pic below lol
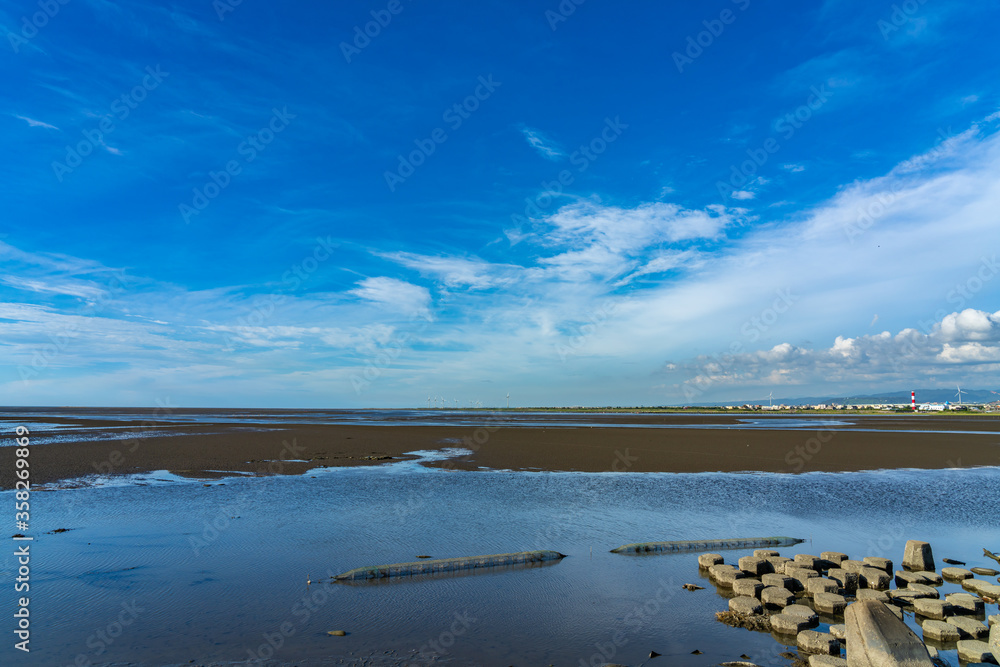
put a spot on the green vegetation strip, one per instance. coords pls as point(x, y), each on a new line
point(705, 545)
point(447, 565)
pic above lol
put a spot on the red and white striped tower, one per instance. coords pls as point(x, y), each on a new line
point(913, 400)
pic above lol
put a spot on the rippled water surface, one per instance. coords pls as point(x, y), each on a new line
point(208, 572)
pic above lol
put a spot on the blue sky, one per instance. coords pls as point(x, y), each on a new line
point(369, 203)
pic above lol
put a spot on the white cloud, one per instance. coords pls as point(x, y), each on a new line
point(794, 168)
point(545, 146)
point(742, 194)
point(36, 123)
point(457, 271)
point(394, 295)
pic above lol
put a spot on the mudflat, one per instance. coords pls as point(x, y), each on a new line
point(75, 442)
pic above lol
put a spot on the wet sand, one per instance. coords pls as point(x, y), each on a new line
point(504, 441)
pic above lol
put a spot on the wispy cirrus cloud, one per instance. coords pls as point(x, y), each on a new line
point(36, 123)
point(545, 146)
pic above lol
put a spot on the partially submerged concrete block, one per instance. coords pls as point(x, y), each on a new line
point(880, 563)
point(834, 557)
point(820, 660)
point(708, 560)
point(940, 631)
point(935, 609)
point(748, 587)
point(868, 594)
point(969, 628)
point(847, 580)
point(973, 650)
point(745, 605)
point(447, 565)
point(928, 591)
point(779, 580)
point(821, 585)
point(995, 640)
point(755, 566)
point(681, 546)
point(774, 596)
point(877, 638)
point(917, 555)
point(965, 603)
point(956, 573)
point(812, 641)
point(806, 561)
point(931, 578)
point(874, 578)
point(983, 588)
point(787, 624)
point(765, 553)
point(853, 565)
point(725, 575)
point(800, 574)
point(803, 612)
point(830, 603)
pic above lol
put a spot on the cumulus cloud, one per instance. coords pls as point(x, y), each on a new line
point(960, 345)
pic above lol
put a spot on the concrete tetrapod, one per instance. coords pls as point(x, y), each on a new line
point(447, 565)
point(681, 546)
point(877, 638)
point(917, 555)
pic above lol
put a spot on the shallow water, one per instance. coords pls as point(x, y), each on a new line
point(210, 572)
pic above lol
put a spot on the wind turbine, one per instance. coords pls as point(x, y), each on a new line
point(769, 398)
point(959, 394)
point(508, 400)
point(428, 402)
